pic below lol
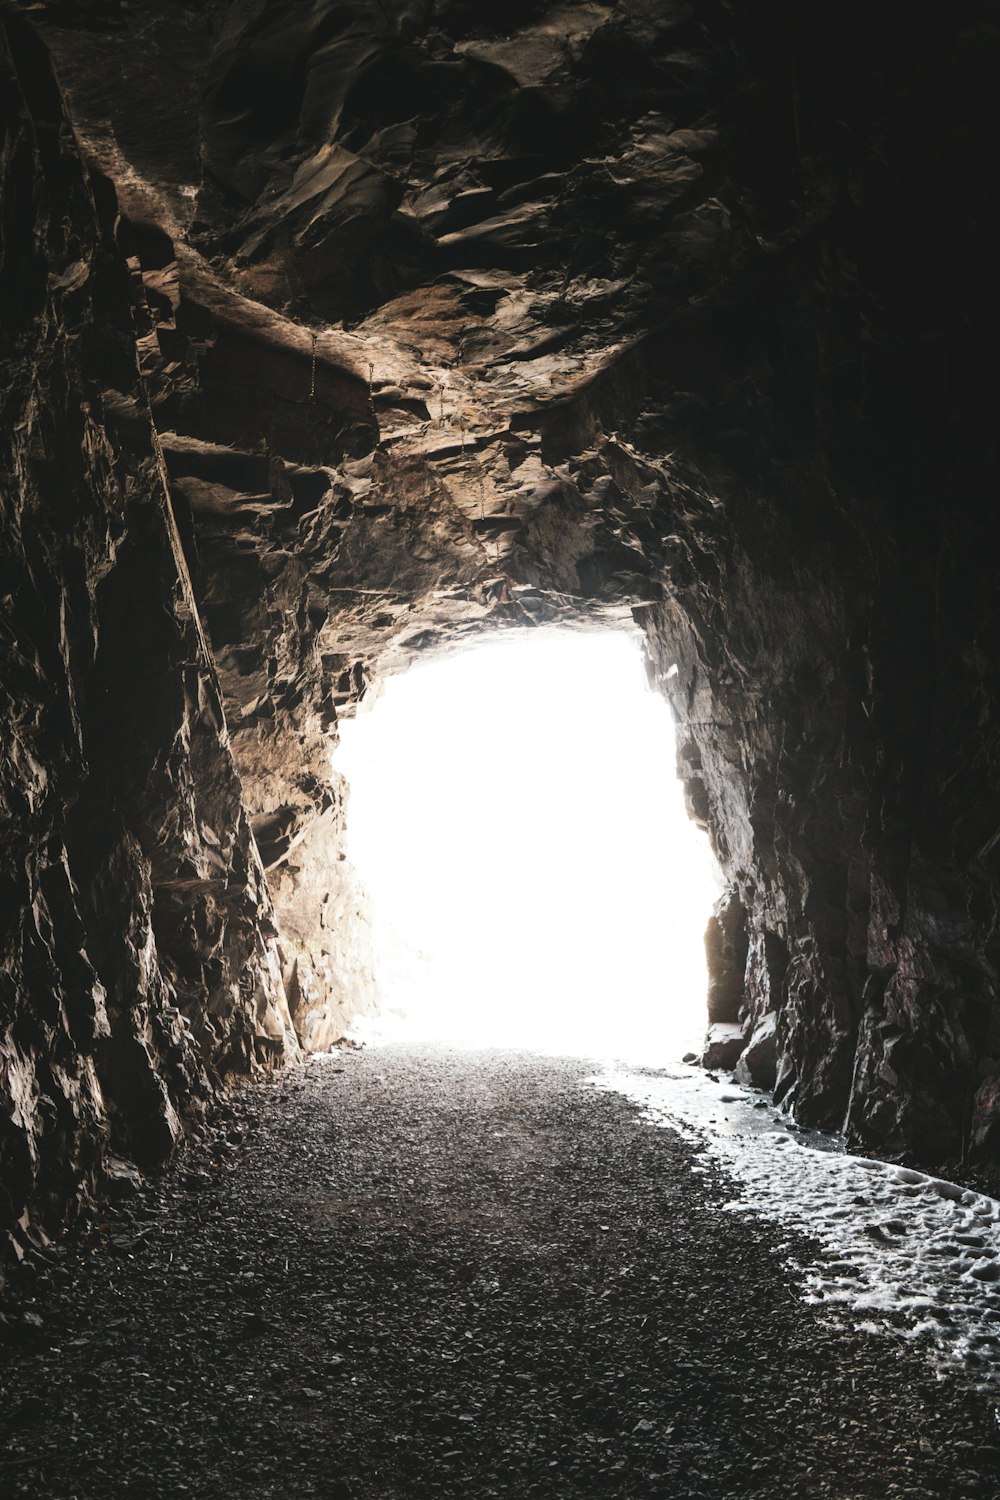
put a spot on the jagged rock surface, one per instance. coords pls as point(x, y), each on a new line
point(459, 318)
point(137, 955)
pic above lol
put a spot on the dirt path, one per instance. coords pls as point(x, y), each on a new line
point(416, 1275)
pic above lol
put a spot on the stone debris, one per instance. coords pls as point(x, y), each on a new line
point(461, 1275)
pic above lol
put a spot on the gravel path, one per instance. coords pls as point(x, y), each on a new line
point(415, 1274)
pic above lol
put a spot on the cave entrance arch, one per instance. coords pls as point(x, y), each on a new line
point(535, 880)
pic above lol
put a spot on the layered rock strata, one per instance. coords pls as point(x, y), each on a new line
point(138, 962)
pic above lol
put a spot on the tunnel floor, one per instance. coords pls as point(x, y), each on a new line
point(424, 1273)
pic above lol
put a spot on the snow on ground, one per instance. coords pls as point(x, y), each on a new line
point(901, 1252)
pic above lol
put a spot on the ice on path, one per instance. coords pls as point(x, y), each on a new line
point(900, 1253)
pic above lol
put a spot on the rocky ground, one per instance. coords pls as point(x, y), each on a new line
point(411, 1274)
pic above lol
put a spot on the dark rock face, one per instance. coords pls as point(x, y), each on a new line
point(458, 318)
point(136, 932)
point(835, 626)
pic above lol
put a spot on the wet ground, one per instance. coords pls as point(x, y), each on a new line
point(894, 1251)
point(414, 1274)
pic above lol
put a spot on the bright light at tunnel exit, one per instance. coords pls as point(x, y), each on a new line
point(516, 817)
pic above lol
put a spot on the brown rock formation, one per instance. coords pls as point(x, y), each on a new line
point(137, 934)
point(458, 318)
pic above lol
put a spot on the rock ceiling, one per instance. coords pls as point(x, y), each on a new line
point(392, 263)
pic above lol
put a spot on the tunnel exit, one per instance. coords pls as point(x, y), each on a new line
point(535, 879)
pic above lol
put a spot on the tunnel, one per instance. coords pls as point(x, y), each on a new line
point(340, 340)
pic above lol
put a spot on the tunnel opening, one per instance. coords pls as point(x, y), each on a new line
point(535, 878)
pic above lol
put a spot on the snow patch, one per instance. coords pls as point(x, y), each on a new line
point(901, 1253)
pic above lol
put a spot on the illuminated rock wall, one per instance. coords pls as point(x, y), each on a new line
point(137, 955)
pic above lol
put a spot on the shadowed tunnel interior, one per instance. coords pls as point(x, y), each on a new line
point(339, 337)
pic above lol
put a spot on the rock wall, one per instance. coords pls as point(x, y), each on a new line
point(137, 956)
point(832, 612)
point(459, 318)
